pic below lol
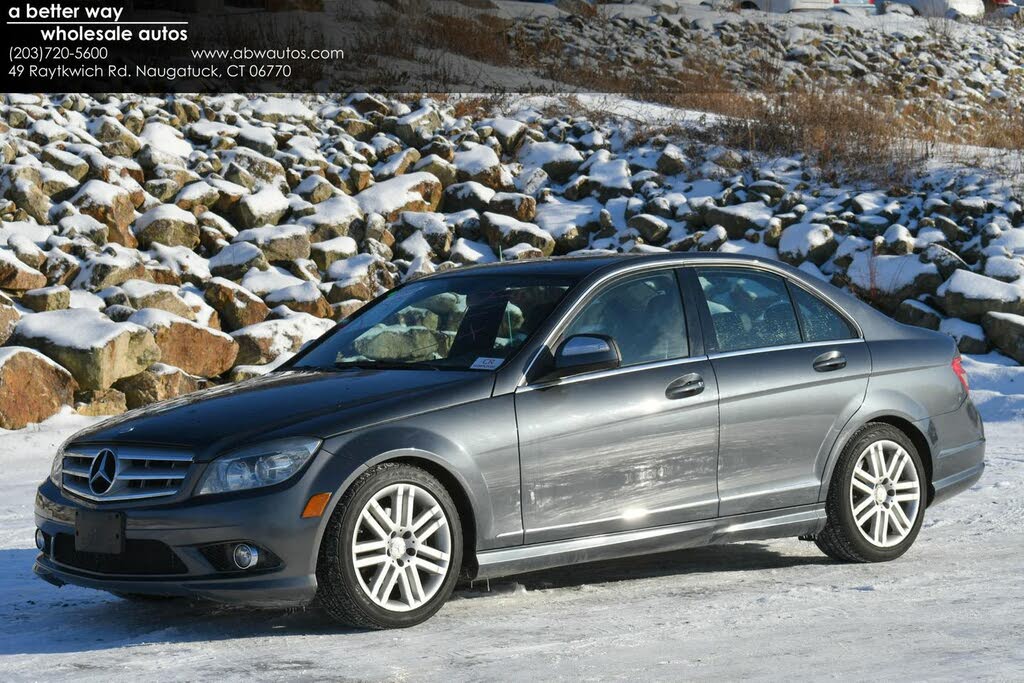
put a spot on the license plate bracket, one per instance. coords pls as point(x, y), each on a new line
point(99, 532)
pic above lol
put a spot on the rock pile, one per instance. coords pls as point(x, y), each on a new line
point(158, 245)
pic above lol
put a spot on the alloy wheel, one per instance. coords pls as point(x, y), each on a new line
point(401, 547)
point(885, 493)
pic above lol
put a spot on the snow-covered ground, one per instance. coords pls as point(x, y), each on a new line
point(948, 610)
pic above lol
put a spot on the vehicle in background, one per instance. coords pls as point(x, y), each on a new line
point(949, 9)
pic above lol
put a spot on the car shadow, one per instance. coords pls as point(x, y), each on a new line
point(37, 618)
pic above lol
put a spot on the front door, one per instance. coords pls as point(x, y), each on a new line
point(628, 448)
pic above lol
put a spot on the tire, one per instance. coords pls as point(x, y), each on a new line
point(408, 593)
point(890, 517)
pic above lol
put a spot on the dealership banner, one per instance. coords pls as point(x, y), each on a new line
point(287, 46)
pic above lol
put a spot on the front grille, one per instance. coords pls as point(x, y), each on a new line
point(140, 556)
point(136, 473)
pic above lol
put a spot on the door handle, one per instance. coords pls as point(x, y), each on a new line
point(827, 362)
point(687, 385)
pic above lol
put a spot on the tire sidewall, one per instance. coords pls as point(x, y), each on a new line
point(383, 478)
point(846, 520)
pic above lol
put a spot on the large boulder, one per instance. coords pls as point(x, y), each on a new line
point(32, 387)
point(142, 294)
point(9, 317)
point(167, 224)
point(16, 276)
point(303, 298)
point(278, 242)
point(236, 306)
point(970, 296)
point(338, 216)
point(110, 205)
point(235, 260)
point(504, 232)
point(558, 160)
point(410, 192)
point(196, 349)
point(265, 207)
point(96, 350)
point(812, 242)
point(264, 342)
point(361, 277)
point(888, 280)
point(159, 382)
point(738, 218)
point(1006, 332)
point(479, 163)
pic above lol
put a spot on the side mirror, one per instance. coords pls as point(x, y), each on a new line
point(586, 353)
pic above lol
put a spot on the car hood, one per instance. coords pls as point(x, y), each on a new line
point(289, 403)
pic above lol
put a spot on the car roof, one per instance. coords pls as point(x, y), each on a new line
point(579, 267)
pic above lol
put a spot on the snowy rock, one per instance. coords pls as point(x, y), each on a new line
point(196, 349)
point(360, 277)
point(739, 218)
point(9, 317)
point(236, 306)
point(503, 232)
point(32, 387)
point(422, 234)
point(279, 243)
point(653, 229)
point(235, 260)
point(812, 242)
point(410, 192)
point(913, 312)
point(110, 267)
point(264, 342)
point(970, 296)
point(480, 164)
point(169, 225)
point(159, 382)
point(327, 252)
point(1006, 331)
point(16, 276)
point(558, 160)
point(302, 298)
point(970, 338)
point(142, 294)
point(468, 196)
point(53, 298)
point(888, 280)
point(265, 207)
point(338, 216)
point(110, 205)
point(94, 349)
point(100, 402)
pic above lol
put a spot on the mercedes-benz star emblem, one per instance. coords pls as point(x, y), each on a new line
point(103, 471)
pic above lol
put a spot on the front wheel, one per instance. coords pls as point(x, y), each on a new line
point(392, 550)
point(876, 499)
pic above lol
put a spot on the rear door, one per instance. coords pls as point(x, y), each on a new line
point(791, 371)
point(628, 448)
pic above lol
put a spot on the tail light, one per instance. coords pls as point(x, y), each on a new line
point(961, 374)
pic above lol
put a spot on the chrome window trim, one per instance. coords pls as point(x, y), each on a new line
point(601, 374)
point(783, 347)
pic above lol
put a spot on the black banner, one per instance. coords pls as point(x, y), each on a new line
point(291, 46)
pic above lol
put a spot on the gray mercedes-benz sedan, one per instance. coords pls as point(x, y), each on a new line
point(493, 420)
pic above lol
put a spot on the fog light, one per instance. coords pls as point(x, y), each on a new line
point(245, 556)
point(41, 540)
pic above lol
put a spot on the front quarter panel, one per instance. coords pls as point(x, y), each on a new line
point(475, 443)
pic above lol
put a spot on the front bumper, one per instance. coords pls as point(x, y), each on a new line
point(164, 547)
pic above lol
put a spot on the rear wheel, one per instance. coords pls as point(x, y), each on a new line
point(876, 499)
point(392, 549)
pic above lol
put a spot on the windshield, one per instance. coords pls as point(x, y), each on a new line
point(463, 323)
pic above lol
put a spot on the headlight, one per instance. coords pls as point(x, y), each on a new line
point(256, 466)
point(57, 468)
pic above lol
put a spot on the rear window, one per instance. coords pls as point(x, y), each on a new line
point(749, 309)
point(820, 321)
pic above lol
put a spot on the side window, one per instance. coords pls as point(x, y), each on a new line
point(749, 309)
point(820, 321)
point(643, 314)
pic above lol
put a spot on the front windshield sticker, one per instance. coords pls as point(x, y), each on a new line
point(485, 363)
